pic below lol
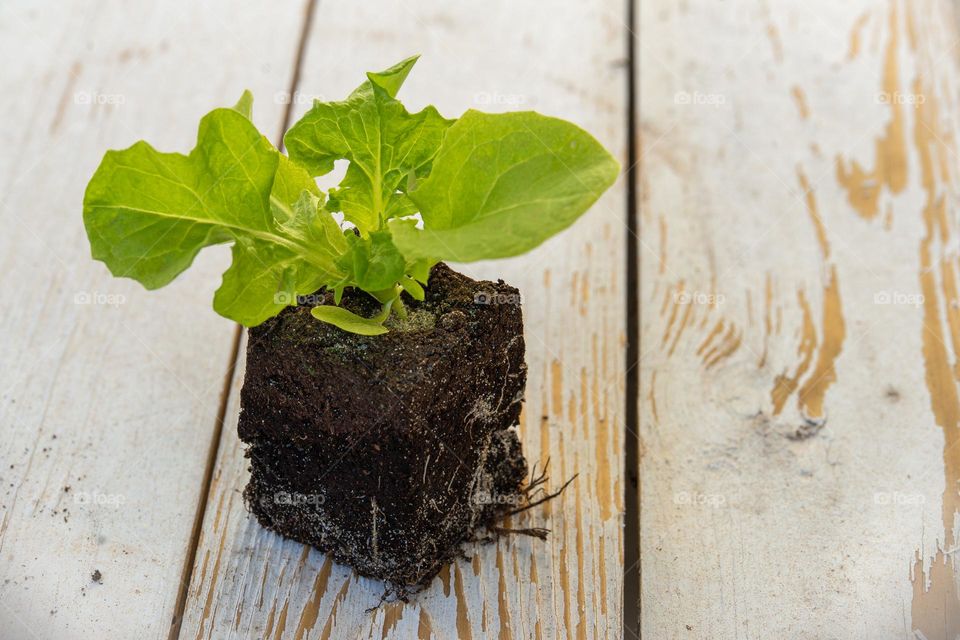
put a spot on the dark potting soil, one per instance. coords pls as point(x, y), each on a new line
point(388, 451)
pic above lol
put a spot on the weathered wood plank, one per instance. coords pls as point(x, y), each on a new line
point(568, 60)
point(798, 390)
point(108, 394)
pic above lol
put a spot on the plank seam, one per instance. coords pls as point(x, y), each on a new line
point(631, 531)
point(187, 572)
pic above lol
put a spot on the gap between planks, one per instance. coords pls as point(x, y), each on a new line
point(631, 438)
point(186, 574)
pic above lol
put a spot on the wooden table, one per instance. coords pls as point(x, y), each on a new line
point(747, 349)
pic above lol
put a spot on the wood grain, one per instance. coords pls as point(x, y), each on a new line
point(569, 61)
point(798, 388)
point(108, 394)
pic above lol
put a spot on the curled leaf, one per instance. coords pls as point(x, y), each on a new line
point(382, 140)
point(351, 322)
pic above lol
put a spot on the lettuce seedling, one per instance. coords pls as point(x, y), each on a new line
point(418, 189)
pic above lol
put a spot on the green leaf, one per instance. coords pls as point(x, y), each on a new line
point(390, 80)
point(485, 186)
point(382, 140)
point(313, 224)
point(349, 321)
point(289, 182)
point(372, 263)
point(264, 278)
point(419, 270)
point(148, 214)
point(244, 105)
point(412, 287)
point(501, 184)
point(400, 206)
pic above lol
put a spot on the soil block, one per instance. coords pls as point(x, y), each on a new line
point(388, 451)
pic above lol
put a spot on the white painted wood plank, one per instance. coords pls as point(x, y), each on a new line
point(568, 60)
point(108, 410)
point(798, 391)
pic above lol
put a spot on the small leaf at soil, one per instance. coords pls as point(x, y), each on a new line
point(348, 321)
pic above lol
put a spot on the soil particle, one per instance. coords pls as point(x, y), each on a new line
point(453, 320)
point(390, 451)
point(806, 431)
point(96, 576)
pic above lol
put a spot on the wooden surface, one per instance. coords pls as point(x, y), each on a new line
point(799, 310)
point(799, 329)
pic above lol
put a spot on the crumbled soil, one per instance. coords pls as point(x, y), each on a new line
point(389, 451)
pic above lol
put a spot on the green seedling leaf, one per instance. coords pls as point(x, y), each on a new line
point(419, 270)
point(148, 214)
point(381, 139)
point(372, 263)
point(501, 184)
point(289, 182)
point(413, 287)
point(349, 321)
point(390, 80)
point(244, 105)
point(418, 188)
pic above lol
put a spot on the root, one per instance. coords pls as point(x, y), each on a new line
point(536, 482)
point(533, 532)
point(532, 495)
point(395, 592)
point(384, 597)
point(535, 485)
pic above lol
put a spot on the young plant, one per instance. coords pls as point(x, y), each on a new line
point(418, 189)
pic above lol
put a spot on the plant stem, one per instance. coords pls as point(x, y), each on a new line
point(399, 307)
